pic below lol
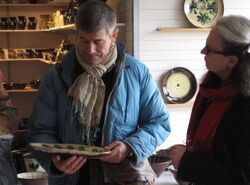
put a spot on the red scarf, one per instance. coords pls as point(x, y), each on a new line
point(205, 119)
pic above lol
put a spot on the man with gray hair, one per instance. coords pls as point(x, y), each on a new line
point(99, 96)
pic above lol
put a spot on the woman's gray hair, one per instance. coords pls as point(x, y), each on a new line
point(95, 15)
point(235, 31)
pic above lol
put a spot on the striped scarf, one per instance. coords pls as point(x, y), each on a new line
point(88, 92)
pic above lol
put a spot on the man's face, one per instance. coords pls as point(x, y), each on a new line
point(93, 47)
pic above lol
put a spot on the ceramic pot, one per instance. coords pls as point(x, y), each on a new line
point(44, 21)
point(12, 23)
point(21, 22)
point(31, 53)
point(4, 23)
point(33, 178)
point(68, 19)
point(18, 160)
point(32, 23)
point(32, 1)
point(35, 83)
point(31, 164)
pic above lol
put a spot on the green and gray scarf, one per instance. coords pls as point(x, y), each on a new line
point(87, 94)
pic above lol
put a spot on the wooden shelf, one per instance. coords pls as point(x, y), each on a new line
point(33, 5)
point(28, 60)
point(187, 104)
point(69, 27)
point(171, 29)
point(49, 3)
point(22, 91)
point(21, 31)
point(66, 29)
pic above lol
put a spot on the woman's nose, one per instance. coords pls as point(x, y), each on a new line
point(203, 51)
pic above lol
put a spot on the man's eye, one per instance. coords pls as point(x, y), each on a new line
point(99, 42)
point(84, 41)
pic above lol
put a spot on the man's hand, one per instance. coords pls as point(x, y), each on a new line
point(69, 165)
point(119, 151)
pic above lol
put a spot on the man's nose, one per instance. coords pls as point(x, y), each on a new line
point(91, 48)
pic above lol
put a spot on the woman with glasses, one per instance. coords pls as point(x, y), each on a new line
point(217, 151)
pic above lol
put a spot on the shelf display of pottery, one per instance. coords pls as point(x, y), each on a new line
point(19, 23)
point(47, 55)
point(33, 38)
point(32, 84)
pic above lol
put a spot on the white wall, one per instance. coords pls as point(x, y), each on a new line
point(161, 51)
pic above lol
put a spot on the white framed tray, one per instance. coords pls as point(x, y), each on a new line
point(203, 13)
point(70, 149)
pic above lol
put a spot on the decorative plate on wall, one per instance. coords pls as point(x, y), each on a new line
point(203, 13)
point(179, 85)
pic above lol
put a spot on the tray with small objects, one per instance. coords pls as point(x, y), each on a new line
point(70, 149)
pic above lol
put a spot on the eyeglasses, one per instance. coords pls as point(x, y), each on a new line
point(208, 51)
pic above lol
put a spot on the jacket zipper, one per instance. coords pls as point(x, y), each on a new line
point(111, 92)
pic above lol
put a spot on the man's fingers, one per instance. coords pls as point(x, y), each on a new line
point(70, 165)
point(75, 165)
point(112, 145)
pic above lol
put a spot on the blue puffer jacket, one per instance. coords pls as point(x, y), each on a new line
point(135, 112)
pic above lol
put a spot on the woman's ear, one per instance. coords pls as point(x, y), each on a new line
point(233, 61)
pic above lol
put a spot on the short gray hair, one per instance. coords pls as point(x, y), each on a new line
point(95, 15)
point(235, 32)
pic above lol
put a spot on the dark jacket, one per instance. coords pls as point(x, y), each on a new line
point(229, 162)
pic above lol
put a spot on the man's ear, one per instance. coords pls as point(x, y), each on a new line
point(233, 61)
point(114, 35)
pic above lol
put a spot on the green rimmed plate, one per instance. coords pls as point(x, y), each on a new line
point(203, 13)
point(70, 149)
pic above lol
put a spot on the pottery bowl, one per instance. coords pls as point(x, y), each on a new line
point(20, 85)
point(159, 164)
point(8, 86)
point(31, 178)
point(35, 83)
